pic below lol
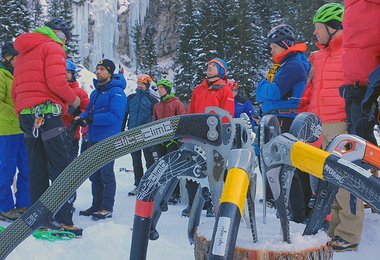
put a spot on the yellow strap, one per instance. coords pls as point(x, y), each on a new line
point(309, 159)
point(272, 72)
point(236, 188)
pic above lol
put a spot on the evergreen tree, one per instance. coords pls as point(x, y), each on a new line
point(55, 8)
point(149, 55)
point(15, 19)
point(190, 68)
point(36, 14)
point(137, 42)
point(72, 43)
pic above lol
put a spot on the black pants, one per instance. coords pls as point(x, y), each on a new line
point(137, 163)
point(48, 155)
point(300, 191)
point(358, 123)
point(161, 151)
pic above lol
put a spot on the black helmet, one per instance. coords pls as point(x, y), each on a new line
point(281, 32)
point(59, 24)
point(8, 48)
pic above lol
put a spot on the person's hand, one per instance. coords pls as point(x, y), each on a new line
point(84, 121)
point(76, 103)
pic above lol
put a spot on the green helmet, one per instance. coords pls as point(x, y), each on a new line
point(168, 85)
point(329, 12)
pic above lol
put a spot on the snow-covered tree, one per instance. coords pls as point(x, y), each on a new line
point(36, 14)
point(149, 55)
point(14, 20)
point(137, 42)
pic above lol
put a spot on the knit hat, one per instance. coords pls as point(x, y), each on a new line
point(166, 84)
point(222, 67)
point(108, 64)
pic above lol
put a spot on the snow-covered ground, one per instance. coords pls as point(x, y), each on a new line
point(111, 239)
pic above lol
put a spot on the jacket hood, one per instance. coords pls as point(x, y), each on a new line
point(117, 81)
point(28, 41)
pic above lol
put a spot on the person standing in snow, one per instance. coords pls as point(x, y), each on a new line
point(41, 94)
point(280, 94)
point(321, 95)
point(139, 111)
point(104, 116)
point(72, 113)
point(12, 146)
point(168, 106)
point(361, 55)
point(216, 91)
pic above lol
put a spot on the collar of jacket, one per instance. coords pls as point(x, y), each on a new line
point(167, 97)
point(334, 44)
point(217, 84)
point(47, 31)
point(10, 70)
point(301, 47)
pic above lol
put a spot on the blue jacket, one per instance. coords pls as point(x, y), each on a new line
point(139, 108)
point(244, 106)
point(106, 108)
point(288, 85)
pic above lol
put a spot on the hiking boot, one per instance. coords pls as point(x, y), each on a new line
point(10, 215)
point(87, 212)
point(102, 214)
point(22, 210)
point(186, 212)
point(164, 206)
point(210, 212)
point(133, 192)
point(174, 199)
point(338, 244)
point(77, 231)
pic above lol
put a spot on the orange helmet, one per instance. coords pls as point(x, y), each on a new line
point(234, 85)
point(146, 79)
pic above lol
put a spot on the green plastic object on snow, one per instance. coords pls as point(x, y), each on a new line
point(53, 236)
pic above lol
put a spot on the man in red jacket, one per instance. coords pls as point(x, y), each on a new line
point(72, 128)
point(216, 91)
point(41, 94)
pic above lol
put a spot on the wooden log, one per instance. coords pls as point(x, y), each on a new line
point(322, 252)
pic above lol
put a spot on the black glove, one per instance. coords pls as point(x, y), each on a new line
point(84, 121)
point(74, 111)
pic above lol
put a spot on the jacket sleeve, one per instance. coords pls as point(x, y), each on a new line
point(286, 78)
point(180, 109)
point(84, 100)
point(191, 109)
point(6, 111)
point(305, 100)
point(116, 111)
point(55, 72)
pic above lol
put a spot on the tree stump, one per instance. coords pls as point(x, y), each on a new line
point(269, 246)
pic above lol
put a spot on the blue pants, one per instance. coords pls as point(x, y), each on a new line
point(103, 186)
point(12, 156)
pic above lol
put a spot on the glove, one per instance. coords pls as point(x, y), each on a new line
point(84, 121)
point(74, 111)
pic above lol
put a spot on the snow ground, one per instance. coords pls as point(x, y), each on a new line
point(111, 239)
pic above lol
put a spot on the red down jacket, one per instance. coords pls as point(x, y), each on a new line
point(40, 73)
point(361, 39)
point(171, 107)
point(321, 95)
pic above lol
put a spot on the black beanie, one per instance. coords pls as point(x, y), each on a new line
point(108, 64)
point(334, 24)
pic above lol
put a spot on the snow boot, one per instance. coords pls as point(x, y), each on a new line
point(174, 199)
point(338, 244)
point(77, 231)
point(10, 215)
point(186, 212)
point(87, 212)
point(102, 214)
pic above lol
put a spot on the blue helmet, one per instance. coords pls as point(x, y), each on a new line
point(70, 66)
point(222, 66)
